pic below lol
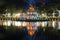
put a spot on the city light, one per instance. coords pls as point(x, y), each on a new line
point(29, 27)
point(32, 8)
point(17, 15)
point(31, 33)
point(43, 24)
point(37, 23)
point(24, 24)
point(58, 24)
point(7, 23)
point(53, 23)
point(16, 23)
point(9, 14)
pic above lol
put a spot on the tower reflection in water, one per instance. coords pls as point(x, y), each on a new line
point(31, 25)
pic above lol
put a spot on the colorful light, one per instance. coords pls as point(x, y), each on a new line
point(31, 32)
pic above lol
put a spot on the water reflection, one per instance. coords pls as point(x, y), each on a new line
point(59, 25)
point(54, 24)
point(16, 23)
point(7, 23)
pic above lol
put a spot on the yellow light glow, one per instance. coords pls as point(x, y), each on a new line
point(53, 23)
point(38, 24)
point(17, 23)
point(29, 27)
point(24, 24)
point(7, 23)
point(43, 24)
point(31, 33)
point(17, 15)
point(31, 8)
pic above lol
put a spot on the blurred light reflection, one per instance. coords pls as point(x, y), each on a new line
point(7, 23)
point(34, 25)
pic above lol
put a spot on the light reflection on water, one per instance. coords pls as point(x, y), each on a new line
point(33, 24)
point(59, 25)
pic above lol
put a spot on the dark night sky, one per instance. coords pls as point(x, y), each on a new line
point(23, 3)
point(8, 2)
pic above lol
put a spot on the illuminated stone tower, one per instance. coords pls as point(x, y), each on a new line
point(32, 8)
